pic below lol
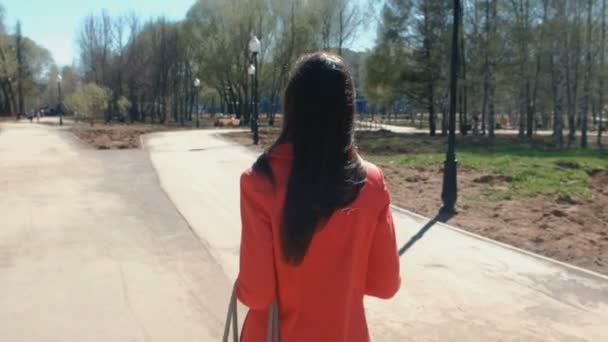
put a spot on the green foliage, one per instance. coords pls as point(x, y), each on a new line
point(123, 104)
point(90, 102)
point(381, 73)
point(410, 58)
point(531, 170)
point(36, 64)
point(208, 95)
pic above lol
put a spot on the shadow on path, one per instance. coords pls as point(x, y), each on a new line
point(440, 217)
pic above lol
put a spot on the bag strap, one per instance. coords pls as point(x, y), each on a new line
point(274, 327)
point(231, 318)
point(273, 331)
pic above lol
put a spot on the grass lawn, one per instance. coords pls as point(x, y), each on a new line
point(530, 169)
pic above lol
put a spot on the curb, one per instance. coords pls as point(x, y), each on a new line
point(577, 269)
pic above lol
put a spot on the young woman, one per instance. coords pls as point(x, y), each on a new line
point(318, 231)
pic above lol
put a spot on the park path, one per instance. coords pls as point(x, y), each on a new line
point(366, 125)
point(91, 249)
point(456, 286)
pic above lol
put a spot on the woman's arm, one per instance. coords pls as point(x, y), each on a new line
point(383, 278)
point(256, 282)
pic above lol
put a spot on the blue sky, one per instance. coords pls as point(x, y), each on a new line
point(53, 23)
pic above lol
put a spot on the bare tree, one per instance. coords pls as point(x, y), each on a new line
point(573, 43)
point(558, 62)
point(20, 68)
point(588, 67)
point(602, 76)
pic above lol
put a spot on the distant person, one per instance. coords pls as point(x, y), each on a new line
point(317, 232)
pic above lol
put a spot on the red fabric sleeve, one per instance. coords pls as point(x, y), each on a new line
point(256, 281)
point(383, 278)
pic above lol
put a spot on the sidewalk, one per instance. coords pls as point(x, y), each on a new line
point(456, 287)
point(366, 125)
point(92, 250)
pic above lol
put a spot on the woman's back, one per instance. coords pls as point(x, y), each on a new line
point(353, 254)
point(317, 233)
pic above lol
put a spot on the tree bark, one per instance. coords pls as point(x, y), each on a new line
point(531, 114)
point(20, 71)
point(491, 112)
point(463, 119)
point(557, 87)
point(587, 98)
point(574, 46)
point(602, 77)
point(430, 80)
point(488, 106)
point(431, 108)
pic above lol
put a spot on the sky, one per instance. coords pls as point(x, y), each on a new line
point(53, 23)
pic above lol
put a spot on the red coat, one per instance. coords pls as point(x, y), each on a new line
point(353, 255)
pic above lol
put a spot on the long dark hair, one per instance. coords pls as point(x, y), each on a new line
point(327, 174)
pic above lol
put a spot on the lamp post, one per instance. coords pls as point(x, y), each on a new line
point(255, 46)
point(251, 72)
point(449, 194)
point(59, 106)
point(197, 85)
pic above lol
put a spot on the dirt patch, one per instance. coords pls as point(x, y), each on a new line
point(105, 137)
point(126, 136)
point(267, 138)
point(492, 179)
point(563, 228)
point(573, 230)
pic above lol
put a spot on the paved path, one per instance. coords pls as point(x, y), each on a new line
point(457, 287)
point(92, 250)
point(366, 125)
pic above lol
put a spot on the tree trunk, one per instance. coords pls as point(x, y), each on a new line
point(529, 113)
point(602, 76)
point(484, 105)
point(427, 45)
point(20, 71)
point(570, 104)
point(557, 87)
point(341, 33)
point(525, 78)
point(574, 47)
point(463, 88)
point(11, 98)
point(587, 99)
point(488, 92)
point(491, 112)
point(524, 95)
point(532, 104)
point(444, 119)
point(460, 113)
point(431, 107)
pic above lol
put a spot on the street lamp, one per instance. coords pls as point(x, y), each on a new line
point(197, 85)
point(255, 46)
point(251, 72)
point(449, 194)
point(59, 106)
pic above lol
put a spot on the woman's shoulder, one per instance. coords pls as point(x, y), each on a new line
point(253, 179)
point(375, 176)
point(259, 177)
point(375, 179)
